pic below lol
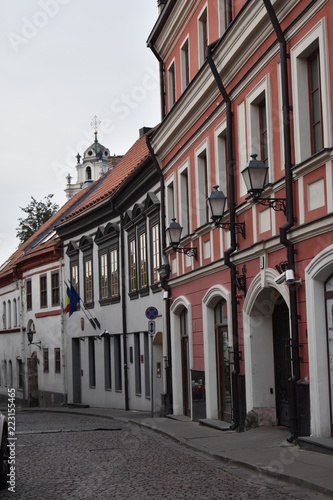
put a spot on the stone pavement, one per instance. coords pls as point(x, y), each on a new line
point(264, 449)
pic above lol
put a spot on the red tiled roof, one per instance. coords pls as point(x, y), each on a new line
point(28, 248)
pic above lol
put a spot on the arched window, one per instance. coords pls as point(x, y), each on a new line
point(88, 174)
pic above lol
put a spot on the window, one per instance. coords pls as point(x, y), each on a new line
point(155, 232)
point(184, 204)
point(137, 364)
point(171, 85)
point(18, 312)
point(221, 159)
point(143, 261)
point(10, 370)
point(20, 373)
point(43, 290)
point(311, 101)
point(14, 313)
point(185, 65)
point(57, 360)
point(114, 274)
point(55, 289)
point(75, 276)
point(88, 282)
point(45, 360)
point(107, 363)
point(315, 103)
point(107, 239)
point(259, 129)
point(170, 201)
point(5, 373)
point(29, 295)
point(203, 36)
point(9, 314)
point(92, 365)
point(202, 183)
point(88, 173)
point(4, 319)
point(104, 276)
point(132, 266)
point(263, 131)
point(117, 363)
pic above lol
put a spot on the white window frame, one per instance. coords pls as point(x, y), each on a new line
point(222, 17)
point(170, 203)
point(315, 38)
point(201, 55)
point(200, 203)
point(253, 126)
point(221, 169)
point(184, 218)
point(171, 100)
point(183, 63)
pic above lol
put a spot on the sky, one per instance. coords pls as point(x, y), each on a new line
point(62, 63)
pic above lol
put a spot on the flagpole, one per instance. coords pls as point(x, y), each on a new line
point(85, 310)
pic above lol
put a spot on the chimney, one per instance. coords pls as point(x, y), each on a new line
point(143, 131)
point(160, 5)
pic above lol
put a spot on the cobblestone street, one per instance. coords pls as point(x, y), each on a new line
point(72, 456)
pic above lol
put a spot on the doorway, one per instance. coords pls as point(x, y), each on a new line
point(76, 361)
point(185, 362)
point(222, 362)
point(282, 361)
point(329, 323)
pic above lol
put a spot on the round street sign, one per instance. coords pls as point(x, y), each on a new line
point(151, 313)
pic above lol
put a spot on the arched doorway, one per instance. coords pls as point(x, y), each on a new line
point(282, 361)
point(267, 349)
point(222, 361)
point(329, 316)
point(185, 362)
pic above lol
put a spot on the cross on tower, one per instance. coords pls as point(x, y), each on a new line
point(95, 122)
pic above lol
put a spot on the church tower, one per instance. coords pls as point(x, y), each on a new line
point(95, 162)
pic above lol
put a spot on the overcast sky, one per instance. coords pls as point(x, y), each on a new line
point(62, 62)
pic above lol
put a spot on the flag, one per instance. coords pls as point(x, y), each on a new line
point(74, 300)
point(67, 299)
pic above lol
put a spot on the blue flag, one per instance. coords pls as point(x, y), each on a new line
point(74, 299)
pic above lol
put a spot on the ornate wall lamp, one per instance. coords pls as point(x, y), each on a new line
point(30, 335)
point(216, 202)
point(254, 175)
point(174, 232)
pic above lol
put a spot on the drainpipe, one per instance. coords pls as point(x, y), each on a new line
point(162, 90)
point(164, 280)
point(236, 394)
point(290, 219)
point(123, 307)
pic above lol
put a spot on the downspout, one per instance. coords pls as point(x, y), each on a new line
point(123, 307)
point(233, 246)
point(290, 216)
point(162, 91)
point(164, 278)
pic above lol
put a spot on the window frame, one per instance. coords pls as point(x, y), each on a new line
point(28, 285)
point(46, 361)
point(43, 291)
point(57, 360)
point(55, 289)
point(185, 63)
point(203, 35)
point(171, 73)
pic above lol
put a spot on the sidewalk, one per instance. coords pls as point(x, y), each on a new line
point(264, 449)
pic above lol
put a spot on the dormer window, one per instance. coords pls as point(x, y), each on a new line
point(90, 153)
